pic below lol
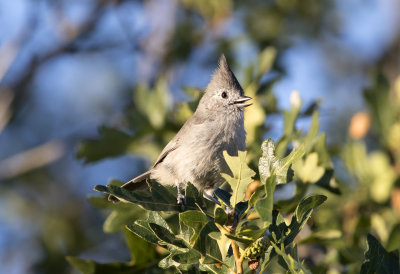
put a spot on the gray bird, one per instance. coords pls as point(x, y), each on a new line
point(195, 153)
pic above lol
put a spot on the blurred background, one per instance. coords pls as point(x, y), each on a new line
point(77, 77)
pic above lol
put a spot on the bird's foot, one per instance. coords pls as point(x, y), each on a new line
point(228, 210)
point(181, 200)
point(209, 195)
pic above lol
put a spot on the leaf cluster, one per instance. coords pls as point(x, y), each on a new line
point(215, 237)
point(226, 237)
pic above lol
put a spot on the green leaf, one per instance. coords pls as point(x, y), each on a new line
point(111, 143)
point(265, 60)
point(270, 164)
point(308, 170)
point(142, 252)
point(371, 169)
point(176, 255)
point(147, 101)
point(393, 242)
point(278, 226)
point(215, 235)
point(167, 262)
point(156, 198)
point(166, 236)
point(381, 105)
point(281, 148)
point(378, 260)
point(118, 219)
point(265, 205)
point(256, 112)
point(328, 182)
point(190, 257)
point(195, 221)
point(382, 174)
point(252, 231)
point(266, 259)
point(241, 175)
point(195, 198)
point(287, 234)
point(256, 195)
point(288, 206)
point(312, 133)
point(323, 154)
point(85, 266)
point(221, 269)
point(91, 267)
point(290, 116)
point(123, 214)
point(142, 229)
point(207, 246)
point(220, 216)
point(240, 239)
point(323, 236)
point(308, 204)
point(156, 218)
point(101, 202)
point(293, 265)
point(294, 228)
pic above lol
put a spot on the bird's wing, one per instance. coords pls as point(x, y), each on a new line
point(195, 120)
point(170, 147)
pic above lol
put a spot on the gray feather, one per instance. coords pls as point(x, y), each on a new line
point(195, 153)
point(172, 145)
point(134, 184)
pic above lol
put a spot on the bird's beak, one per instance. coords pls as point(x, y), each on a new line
point(241, 102)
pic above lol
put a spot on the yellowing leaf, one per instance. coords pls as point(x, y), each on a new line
point(153, 103)
point(383, 176)
point(183, 113)
point(373, 170)
point(308, 170)
point(241, 175)
point(210, 8)
point(254, 115)
point(265, 60)
point(393, 137)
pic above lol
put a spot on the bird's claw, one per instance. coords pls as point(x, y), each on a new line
point(228, 210)
point(211, 197)
point(181, 200)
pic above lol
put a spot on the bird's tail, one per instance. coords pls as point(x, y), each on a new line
point(134, 184)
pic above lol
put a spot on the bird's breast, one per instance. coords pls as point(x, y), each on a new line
point(199, 157)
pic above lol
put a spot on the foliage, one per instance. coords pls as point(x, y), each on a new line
point(197, 236)
point(258, 230)
point(378, 260)
point(251, 228)
point(359, 174)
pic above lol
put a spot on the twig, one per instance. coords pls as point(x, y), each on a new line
point(31, 159)
point(238, 260)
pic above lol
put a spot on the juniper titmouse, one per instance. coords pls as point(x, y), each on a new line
point(195, 153)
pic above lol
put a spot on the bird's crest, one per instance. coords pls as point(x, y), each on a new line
point(223, 75)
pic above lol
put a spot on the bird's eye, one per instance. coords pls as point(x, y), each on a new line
point(224, 95)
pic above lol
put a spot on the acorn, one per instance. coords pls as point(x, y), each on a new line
point(257, 249)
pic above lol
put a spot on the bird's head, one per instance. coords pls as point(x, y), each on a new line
point(224, 93)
